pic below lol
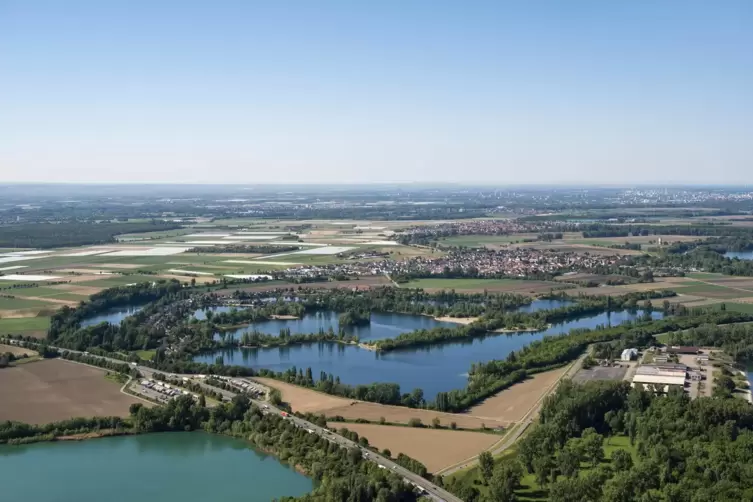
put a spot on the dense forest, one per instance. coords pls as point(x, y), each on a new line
point(53, 235)
point(735, 340)
point(682, 450)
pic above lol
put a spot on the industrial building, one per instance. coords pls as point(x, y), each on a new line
point(663, 376)
point(683, 350)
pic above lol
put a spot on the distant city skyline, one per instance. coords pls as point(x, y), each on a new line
point(472, 93)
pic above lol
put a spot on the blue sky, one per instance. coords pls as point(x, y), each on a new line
point(391, 91)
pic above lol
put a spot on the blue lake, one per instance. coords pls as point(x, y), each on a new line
point(434, 368)
point(113, 316)
point(741, 255)
point(185, 466)
point(383, 325)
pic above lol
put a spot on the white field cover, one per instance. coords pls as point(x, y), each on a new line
point(252, 237)
point(189, 272)
point(325, 250)
point(149, 251)
point(26, 253)
point(90, 252)
point(207, 235)
point(262, 262)
point(249, 276)
point(211, 242)
point(381, 243)
point(31, 278)
point(9, 259)
point(251, 232)
point(15, 267)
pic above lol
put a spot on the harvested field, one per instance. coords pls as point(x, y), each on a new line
point(435, 448)
point(307, 400)
point(512, 404)
point(363, 283)
point(16, 351)
point(519, 286)
point(80, 290)
point(53, 390)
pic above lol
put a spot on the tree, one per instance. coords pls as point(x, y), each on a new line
point(542, 468)
point(134, 408)
point(453, 425)
point(568, 462)
point(275, 397)
point(435, 422)
point(593, 445)
point(382, 421)
point(202, 401)
point(415, 422)
point(486, 466)
point(622, 461)
point(505, 480)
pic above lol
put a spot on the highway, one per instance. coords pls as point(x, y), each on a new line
point(430, 489)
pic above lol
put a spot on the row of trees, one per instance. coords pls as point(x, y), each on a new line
point(520, 321)
point(69, 234)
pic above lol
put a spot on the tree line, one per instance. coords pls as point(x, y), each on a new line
point(69, 234)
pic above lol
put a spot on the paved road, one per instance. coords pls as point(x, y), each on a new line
point(430, 489)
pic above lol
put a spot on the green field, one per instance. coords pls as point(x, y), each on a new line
point(110, 281)
point(48, 292)
point(19, 303)
point(25, 326)
point(745, 308)
point(711, 291)
point(498, 285)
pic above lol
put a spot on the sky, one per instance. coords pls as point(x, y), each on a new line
point(497, 92)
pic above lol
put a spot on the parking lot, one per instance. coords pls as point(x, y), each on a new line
point(601, 373)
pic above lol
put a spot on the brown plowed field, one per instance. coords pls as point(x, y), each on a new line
point(512, 404)
point(307, 400)
point(16, 351)
point(53, 390)
point(435, 448)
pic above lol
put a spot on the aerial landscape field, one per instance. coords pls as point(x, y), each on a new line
point(376, 251)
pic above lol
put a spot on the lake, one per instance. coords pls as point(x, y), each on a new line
point(113, 316)
point(185, 466)
point(383, 325)
point(742, 255)
point(434, 368)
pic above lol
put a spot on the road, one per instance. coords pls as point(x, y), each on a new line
point(430, 489)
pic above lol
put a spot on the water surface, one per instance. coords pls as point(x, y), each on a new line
point(434, 368)
point(742, 255)
point(113, 315)
point(182, 466)
point(383, 325)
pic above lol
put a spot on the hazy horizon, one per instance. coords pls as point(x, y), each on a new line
point(333, 92)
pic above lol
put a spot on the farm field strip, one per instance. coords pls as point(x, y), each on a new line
point(53, 389)
point(435, 448)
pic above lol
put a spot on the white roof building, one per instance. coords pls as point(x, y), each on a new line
point(629, 354)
